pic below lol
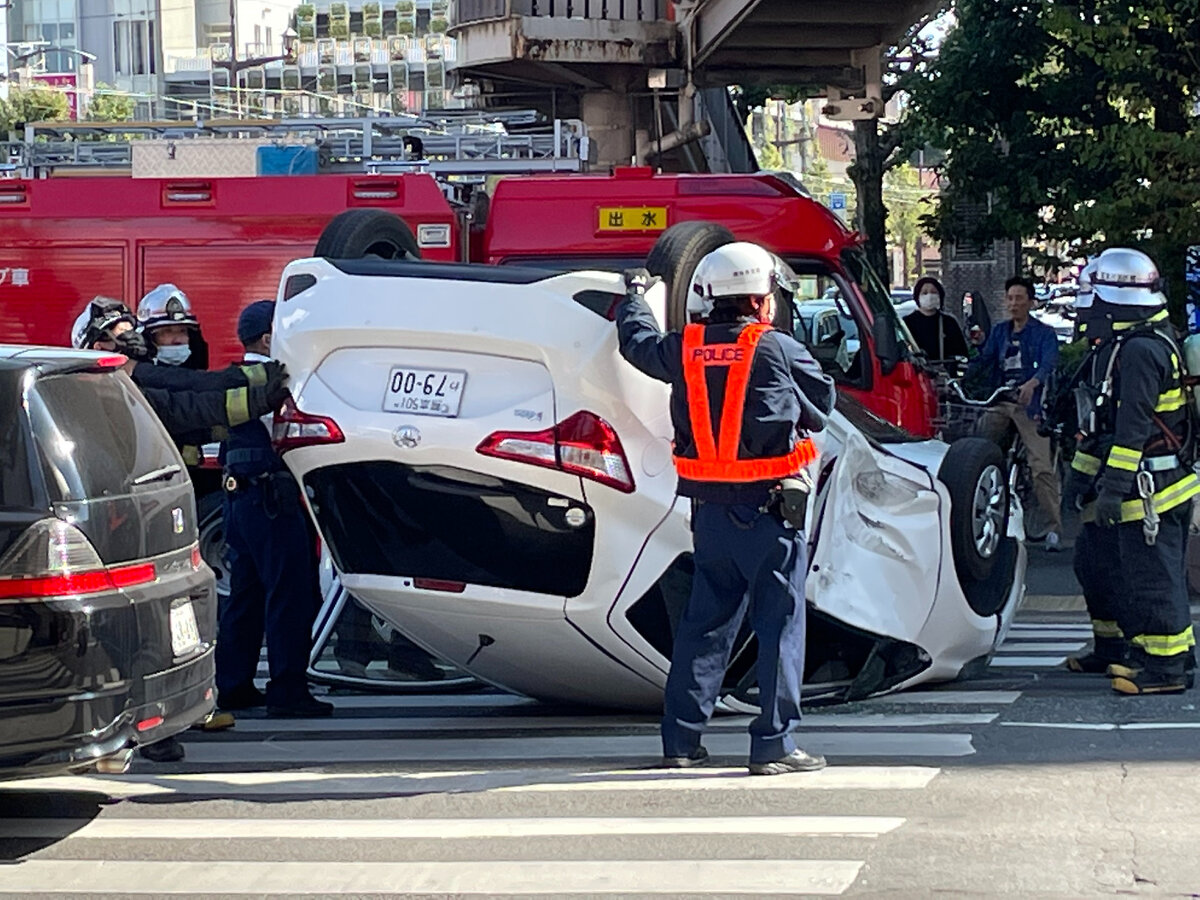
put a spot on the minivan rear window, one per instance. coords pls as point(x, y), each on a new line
point(96, 436)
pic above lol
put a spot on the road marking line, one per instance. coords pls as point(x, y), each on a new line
point(948, 697)
point(1075, 627)
point(1032, 646)
point(425, 701)
point(772, 877)
point(543, 780)
point(1109, 726)
point(1036, 662)
point(334, 726)
point(110, 828)
point(1056, 634)
point(526, 749)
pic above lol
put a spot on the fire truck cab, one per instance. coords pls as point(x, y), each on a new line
point(840, 309)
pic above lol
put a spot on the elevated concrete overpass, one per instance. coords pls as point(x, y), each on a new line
point(597, 54)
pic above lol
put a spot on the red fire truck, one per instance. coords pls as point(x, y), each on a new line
point(224, 241)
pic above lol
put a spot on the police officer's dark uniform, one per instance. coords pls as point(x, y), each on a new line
point(1137, 445)
point(743, 399)
point(274, 582)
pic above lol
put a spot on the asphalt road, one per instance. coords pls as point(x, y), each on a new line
point(1027, 781)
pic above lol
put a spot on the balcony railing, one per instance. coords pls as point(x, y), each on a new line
point(464, 12)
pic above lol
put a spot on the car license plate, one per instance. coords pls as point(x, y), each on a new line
point(185, 634)
point(425, 392)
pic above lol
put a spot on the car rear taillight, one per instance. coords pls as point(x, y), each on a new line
point(294, 428)
point(582, 444)
point(55, 559)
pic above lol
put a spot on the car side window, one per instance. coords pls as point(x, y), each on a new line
point(95, 436)
point(823, 321)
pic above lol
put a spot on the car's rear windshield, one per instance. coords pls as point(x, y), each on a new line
point(97, 437)
point(16, 489)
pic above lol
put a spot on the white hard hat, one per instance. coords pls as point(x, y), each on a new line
point(1125, 277)
point(1083, 296)
point(166, 305)
point(740, 269)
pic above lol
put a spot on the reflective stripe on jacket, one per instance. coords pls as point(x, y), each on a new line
point(718, 459)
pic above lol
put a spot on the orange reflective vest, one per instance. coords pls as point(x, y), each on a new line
point(719, 461)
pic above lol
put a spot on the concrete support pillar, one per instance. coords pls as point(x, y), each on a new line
point(610, 127)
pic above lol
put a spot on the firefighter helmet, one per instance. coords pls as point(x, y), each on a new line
point(1129, 278)
point(166, 305)
point(101, 314)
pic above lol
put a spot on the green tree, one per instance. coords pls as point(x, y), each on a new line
point(1075, 121)
point(110, 105)
point(906, 201)
point(34, 104)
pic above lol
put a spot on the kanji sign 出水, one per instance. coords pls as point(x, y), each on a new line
point(632, 218)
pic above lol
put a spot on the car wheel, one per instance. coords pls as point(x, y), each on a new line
point(674, 257)
point(973, 472)
point(357, 233)
point(211, 525)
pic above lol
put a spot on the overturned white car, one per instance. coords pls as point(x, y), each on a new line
point(495, 481)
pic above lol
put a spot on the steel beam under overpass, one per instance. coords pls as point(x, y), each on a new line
point(796, 41)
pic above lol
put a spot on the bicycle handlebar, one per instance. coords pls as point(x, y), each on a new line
point(1003, 393)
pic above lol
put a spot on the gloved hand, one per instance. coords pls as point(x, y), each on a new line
point(1076, 489)
point(266, 398)
point(637, 280)
point(132, 343)
point(1108, 508)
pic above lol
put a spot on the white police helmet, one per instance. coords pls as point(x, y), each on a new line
point(1125, 277)
point(740, 269)
point(166, 305)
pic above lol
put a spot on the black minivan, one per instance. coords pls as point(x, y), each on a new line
point(107, 611)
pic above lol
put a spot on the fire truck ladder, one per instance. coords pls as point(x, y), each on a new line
point(449, 144)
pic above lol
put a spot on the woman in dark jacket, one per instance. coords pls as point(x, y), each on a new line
point(937, 333)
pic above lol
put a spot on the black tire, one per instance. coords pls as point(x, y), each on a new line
point(674, 257)
point(358, 233)
point(973, 472)
point(210, 516)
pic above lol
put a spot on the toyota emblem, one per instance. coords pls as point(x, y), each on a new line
point(406, 436)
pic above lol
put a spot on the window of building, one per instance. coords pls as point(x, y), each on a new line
point(270, 44)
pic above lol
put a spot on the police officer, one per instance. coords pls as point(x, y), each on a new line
point(1137, 446)
point(274, 584)
point(191, 404)
point(743, 399)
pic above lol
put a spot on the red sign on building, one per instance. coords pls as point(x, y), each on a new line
point(67, 83)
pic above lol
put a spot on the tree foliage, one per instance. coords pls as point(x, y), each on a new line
point(1075, 120)
point(109, 105)
point(35, 104)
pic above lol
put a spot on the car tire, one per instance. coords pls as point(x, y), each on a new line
point(973, 472)
point(210, 522)
point(358, 233)
point(674, 258)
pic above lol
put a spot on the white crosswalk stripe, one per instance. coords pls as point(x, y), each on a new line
point(1038, 645)
point(505, 785)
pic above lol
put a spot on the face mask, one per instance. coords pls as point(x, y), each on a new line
point(929, 302)
point(173, 354)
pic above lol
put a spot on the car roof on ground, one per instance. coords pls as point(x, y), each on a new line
point(396, 268)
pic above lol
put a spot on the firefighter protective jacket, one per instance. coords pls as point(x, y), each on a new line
point(786, 395)
point(1146, 426)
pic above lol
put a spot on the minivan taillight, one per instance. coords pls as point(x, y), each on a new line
point(55, 559)
point(295, 428)
point(582, 444)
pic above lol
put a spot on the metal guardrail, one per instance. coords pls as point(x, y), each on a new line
point(464, 12)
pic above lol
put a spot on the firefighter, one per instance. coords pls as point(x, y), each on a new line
point(743, 399)
point(194, 404)
point(1137, 427)
point(1096, 551)
point(169, 324)
point(274, 583)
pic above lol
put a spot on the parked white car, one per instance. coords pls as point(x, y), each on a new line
point(495, 481)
